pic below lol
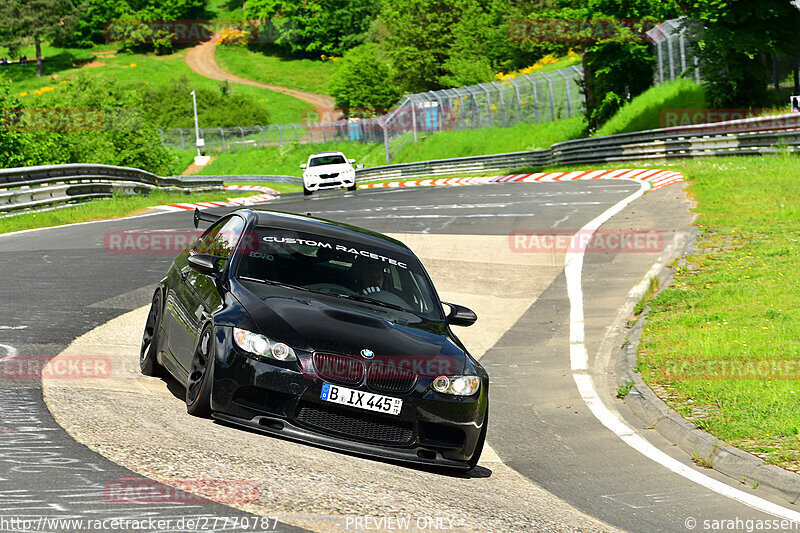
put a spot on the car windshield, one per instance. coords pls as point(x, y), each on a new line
point(339, 268)
point(335, 159)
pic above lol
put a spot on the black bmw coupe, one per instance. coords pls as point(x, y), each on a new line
point(321, 332)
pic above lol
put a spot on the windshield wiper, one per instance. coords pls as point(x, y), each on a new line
point(370, 301)
point(275, 283)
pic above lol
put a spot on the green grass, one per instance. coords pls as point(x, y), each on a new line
point(491, 140)
point(645, 111)
point(285, 160)
point(275, 69)
point(735, 300)
point(105, 208)
point(132, 68)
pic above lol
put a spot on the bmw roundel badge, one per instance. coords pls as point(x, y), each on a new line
point(367, 353)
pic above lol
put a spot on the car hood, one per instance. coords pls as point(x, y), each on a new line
point(321, 323)
point(328, 169)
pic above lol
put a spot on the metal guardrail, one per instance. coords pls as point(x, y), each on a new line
point(753, 136)
point(44, 186)
point(260, 178)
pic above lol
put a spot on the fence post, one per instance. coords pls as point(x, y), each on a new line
point(261, 131)
point(488, 102)
point(414, 119)
point(310, 133)
point(324, 135)
point(671, 59)
point(660, 56)
point(180, 130)
point(696, 69)
point(461, 106)
point(161, 133)
point(241, 131)
point(683, 54)
point(552, 98)
point(535, 100)
point(223, 138)
point(519, 103)
point(386, 141)
point(502, 104)
point(569, 99)
point(280, 135)
point(295, 130)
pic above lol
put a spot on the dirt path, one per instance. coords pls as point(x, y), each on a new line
point(201, 60)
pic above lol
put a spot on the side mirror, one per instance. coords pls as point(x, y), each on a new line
point(303, 166)
point(204, 264)
point(359, 166)
point(460, 315)
point(351, 161)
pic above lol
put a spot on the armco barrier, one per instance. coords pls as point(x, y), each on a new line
point(752, 136)
point(37, 187)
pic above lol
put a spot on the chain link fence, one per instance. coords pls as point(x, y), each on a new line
point(675, 53)
point(530, 98)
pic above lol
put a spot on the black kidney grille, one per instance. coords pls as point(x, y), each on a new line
point(352, 424)
point(339, 368)
point(329, 176)
point(389, 378)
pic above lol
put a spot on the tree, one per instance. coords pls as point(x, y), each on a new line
point(361, 84)
point(736, 38)
point(37, 20)
point(317, 26)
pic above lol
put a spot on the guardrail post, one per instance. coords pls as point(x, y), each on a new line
point(552, 98)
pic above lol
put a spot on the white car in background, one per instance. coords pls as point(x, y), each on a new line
point(328, 170)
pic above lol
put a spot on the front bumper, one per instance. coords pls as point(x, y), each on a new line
point(339, 182)
point(284, 399)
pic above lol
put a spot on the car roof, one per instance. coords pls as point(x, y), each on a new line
point(326, 228)
point(326, 153)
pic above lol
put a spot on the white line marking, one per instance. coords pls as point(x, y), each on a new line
point(573, 265)
point(13, 327)
point(11, 352)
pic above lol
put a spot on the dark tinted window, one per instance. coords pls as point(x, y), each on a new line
point(221, 239)
point(327, 160)
point(340, 268)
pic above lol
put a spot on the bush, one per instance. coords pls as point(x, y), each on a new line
point(361, 84)
point(220, 108)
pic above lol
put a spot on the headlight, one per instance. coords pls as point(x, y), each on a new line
point(457, 385)
point(260, 345)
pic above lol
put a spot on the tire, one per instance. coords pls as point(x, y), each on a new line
point(201, 376)
point(148, 352)
point(306, 192)
point(476, 455)
point(352, 188)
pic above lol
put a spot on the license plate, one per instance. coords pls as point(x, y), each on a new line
point(361, 399)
